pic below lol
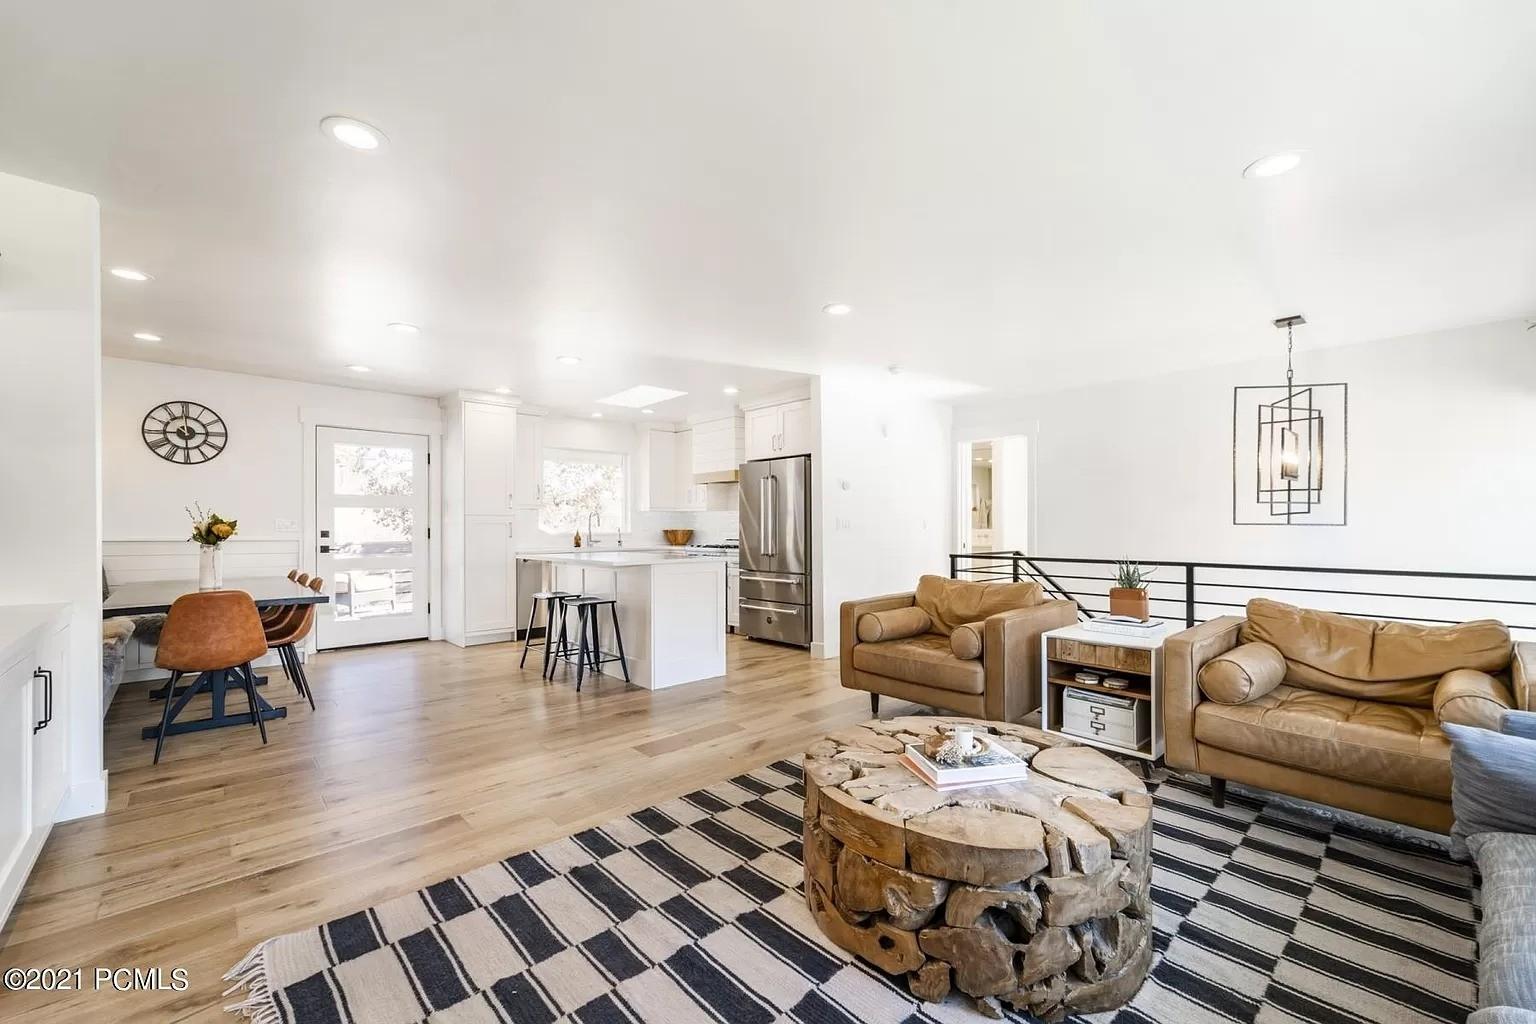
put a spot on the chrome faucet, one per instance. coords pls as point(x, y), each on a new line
point(591, 516)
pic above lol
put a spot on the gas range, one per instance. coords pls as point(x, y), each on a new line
point(729, 549)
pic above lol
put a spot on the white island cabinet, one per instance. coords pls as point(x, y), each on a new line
point(672, 609)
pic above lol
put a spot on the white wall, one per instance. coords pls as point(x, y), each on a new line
point(259, 477)
point(50, 472)
point(1442, 432)
point(884, 515)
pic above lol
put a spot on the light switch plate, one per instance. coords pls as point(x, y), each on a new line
point(287, 526)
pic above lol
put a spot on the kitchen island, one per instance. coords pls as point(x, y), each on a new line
point(671, 605)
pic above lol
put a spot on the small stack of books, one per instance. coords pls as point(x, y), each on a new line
point(1011, 769)
point(1125, 625)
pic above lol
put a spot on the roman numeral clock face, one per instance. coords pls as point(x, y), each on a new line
point(185, 433)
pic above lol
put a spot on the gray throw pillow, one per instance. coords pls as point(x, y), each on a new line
point(1493, 781)
point(1519, 723)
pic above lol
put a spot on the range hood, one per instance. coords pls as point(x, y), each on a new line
point(725, 476)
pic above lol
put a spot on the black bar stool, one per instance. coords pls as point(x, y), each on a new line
point(562, 649)
point(551, 599)
point(591, 653)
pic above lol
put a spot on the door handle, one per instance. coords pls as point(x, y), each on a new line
point(325, 549)
point(47, 677)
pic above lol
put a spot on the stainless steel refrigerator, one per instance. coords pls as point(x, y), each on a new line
point(775, 591)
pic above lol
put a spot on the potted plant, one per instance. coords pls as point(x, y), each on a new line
point(1128, 596)
point(209, 532)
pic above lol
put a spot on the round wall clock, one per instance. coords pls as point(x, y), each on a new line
point(185, 433)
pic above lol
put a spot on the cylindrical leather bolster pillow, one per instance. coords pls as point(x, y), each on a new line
point(1246, 671)
point(965, 641)
point(895, 624)
point(1465, 696)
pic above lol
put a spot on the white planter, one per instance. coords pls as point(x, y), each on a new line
point(210, 567)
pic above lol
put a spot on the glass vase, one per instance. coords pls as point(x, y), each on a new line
point(210, 567)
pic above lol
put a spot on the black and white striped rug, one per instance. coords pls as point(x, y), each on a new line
point(690, 911)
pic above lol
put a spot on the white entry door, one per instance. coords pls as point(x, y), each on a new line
point(371, 509)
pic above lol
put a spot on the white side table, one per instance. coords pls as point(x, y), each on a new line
point(1139, 659)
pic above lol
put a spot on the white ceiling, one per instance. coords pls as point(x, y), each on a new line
point(1010, 194)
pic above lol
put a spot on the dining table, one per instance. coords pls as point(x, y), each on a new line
point(154, 597)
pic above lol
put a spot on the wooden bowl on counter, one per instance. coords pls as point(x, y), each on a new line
point(677, 538)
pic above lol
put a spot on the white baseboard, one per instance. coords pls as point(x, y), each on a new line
point(84, 799)
point(819, 649)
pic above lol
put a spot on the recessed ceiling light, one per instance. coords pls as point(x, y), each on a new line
point(356, 368)
point(730, 389)
point(837, 309)
point(351, 132)
point(147, 336)
point(129, 274)
point(503, 391)
point(1275, 163)
point(640, 396)
point(597, 415)
point(403, 327)
point(649, 412)
point(568, 360)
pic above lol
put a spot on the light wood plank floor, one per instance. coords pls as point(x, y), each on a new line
point(421, 762)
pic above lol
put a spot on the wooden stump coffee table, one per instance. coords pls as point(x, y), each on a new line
point(1036, 893)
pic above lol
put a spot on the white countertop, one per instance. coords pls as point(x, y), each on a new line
point(615, 558)
point(21, 624)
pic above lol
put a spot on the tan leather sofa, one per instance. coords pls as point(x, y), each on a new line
point(1335, 709)
point(970, 648)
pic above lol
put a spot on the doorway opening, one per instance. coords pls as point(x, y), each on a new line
point(994, 495)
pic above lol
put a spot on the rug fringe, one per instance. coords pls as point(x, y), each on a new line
point(260, 1004)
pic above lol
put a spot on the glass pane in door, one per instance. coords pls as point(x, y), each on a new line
point(369, 469)
point(361, 532)
point(368, 593)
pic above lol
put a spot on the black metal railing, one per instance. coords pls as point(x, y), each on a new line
point(1192, 592)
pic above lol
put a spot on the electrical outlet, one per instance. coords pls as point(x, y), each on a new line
point(287, 526)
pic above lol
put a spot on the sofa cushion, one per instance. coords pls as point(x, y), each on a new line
point(1388, 745)
point(1466, 696)
point(924, 660)
point(1493, 781)
point(966, 641)
point(1243, 673)
point(892, 624)
point(1400, 662)
point(1506, 939)
point(951, 603)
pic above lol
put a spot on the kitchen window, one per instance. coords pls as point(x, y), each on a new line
point(577, 483)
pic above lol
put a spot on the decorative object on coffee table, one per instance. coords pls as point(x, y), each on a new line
point(1128, 596)
point(1035, 893)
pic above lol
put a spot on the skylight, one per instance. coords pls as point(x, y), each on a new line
point(641, 394)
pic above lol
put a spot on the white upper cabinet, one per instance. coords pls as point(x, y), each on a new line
point(666, 476)
point(718, 445)
point(775, 431)
point(490, 455)
point(797, 428)
point(528, 462)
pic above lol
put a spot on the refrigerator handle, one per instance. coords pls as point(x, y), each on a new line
point(773, 503)
point(762, 518)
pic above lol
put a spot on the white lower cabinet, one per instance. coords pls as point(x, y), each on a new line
point(489, 569)
point(34, 687)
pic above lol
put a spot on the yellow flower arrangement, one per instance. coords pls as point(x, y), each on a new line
point(210, 528)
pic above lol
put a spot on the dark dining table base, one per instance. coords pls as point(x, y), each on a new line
point(218, 684)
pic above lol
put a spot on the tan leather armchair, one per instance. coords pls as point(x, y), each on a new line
point(1326, 714)
point(999, 680)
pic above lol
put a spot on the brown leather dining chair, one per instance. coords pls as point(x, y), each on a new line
point(284, 635)
point(215, 631)
point(271, 615)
